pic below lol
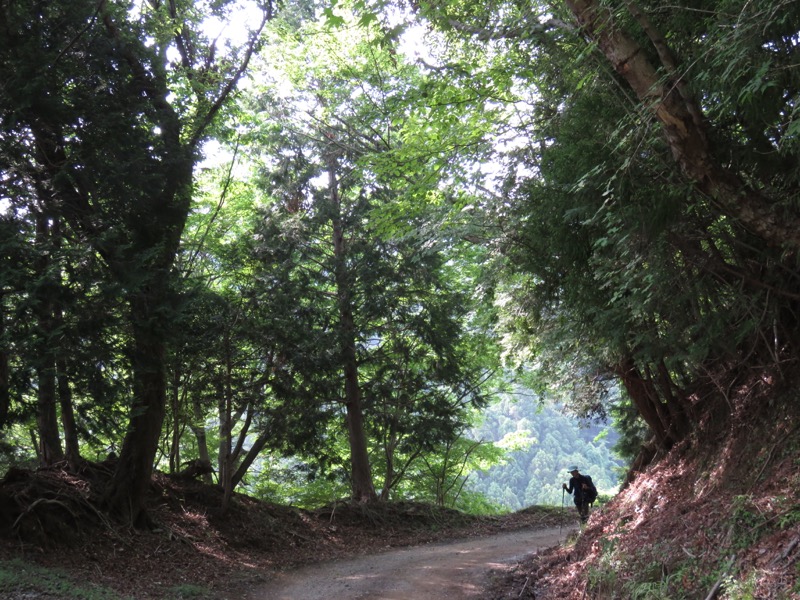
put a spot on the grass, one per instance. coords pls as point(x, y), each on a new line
point(188, 591)
point(19, 577)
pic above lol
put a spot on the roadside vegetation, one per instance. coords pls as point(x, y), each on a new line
point(296, 250)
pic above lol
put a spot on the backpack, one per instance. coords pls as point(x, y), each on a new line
point(590, 493)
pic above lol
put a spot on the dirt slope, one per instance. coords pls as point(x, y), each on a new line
point(50, 517)
point(717, 517)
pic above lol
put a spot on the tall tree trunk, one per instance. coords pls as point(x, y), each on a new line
point(360, 472)
point(5, 371)
point(664, 92)
point(202, 439)
point(231, 474)
point(136, 227)
point(71, 444)
point(132, 477)
point(68, 424)
point(225, 443)
point(50, 451)
point(389, 446)
point(44, 305)
point(175, 410)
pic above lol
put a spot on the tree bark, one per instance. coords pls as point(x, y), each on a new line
point(44, 306)
point(225, 457)
point(678, 405)
point(228, 453)
point(50, 451)
point(68, 424)
point(664, 93)
point(249, 458)
point(131, 479)
point(389, 445)
point(647, 403)
point(202, 439)
point(71, 444)
point(5, 371)
point(174, 436)
point(363, 488)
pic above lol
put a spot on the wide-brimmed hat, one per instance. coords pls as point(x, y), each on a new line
point(572, 468)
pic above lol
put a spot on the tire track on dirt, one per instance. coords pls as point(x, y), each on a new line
point(456, 569)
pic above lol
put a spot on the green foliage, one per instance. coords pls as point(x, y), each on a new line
point(633, 432)
point(328, 170)
point(507, 193)
point(788, 512)
point(617, 575)
point(302, 483)
point(613, 253)
point(796, 586)
point(745, 523)
point(442, 474)
point(662, 589)
point(603, 575)
point(741, 589)
point(188, 591)
point(532, 475)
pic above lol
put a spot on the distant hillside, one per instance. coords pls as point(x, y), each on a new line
point(551, 441)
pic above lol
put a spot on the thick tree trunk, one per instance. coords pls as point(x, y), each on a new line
point(363, 488)
point(665, 94)
point(648, 404)
point(360, 472)
point(71, 444)
point(50, 450)
point(680, 409)
point(132, 477)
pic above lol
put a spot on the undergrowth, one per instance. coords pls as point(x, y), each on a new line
point(19, 579)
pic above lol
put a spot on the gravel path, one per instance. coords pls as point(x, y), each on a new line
point(457, 570)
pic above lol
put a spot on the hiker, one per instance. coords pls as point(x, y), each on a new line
point(583, 491)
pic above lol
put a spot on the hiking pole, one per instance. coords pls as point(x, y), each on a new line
point(561, 521)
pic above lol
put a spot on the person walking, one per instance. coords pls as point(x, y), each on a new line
point(583, 492)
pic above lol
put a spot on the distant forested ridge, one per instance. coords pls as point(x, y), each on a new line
point(549, 441)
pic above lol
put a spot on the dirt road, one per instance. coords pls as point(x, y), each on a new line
point(456, 570)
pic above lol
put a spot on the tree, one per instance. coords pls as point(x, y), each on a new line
point(88, 114)
point(640, 231)
point(366, 316)
point(664, 87)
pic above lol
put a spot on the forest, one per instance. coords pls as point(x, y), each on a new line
point(538, 444)
point(298, 248)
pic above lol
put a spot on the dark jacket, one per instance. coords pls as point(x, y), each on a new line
point(576, 485)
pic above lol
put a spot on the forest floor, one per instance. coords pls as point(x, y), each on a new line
point(196, 551)
point(716, 517)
